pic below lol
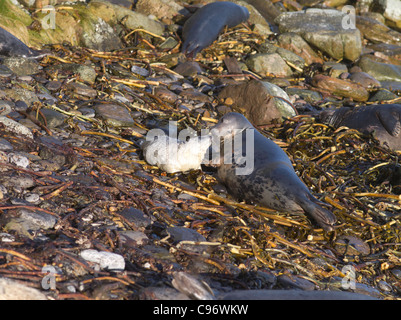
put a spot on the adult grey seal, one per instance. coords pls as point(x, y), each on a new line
point(273, 182)
point(204, 26)
point(382, 121)
point(11, 46)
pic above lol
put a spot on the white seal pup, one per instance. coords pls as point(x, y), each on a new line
point(271, 180)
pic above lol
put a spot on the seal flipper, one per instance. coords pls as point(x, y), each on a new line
point(390, 119)
point(323, 217)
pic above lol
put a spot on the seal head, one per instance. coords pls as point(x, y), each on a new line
point(204, 26)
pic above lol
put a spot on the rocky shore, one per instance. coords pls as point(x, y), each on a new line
point(84, 216)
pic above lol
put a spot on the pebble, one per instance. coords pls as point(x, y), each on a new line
point(133, 238)
point(136, 217)
point(16, 127)
point(13, 290)
point(18, 160)
point(340, 87)
point(106, 260)
point(114, 115)
point(268, 64)
point(178, 234)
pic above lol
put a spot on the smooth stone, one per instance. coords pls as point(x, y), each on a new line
point(259, 101)
point(133, 238)
point(165, 94)
point(383, 95)
point(295, 43)
point(287, 55)
point(5, 107)
point(82, 90)
point(13, 290)
point(15, 127)
point(323, 28)
point(114, 115)
point(268, 64)
point(341, 87)
point(5, 145)
point(54, 118)
point(379, 70)
point(18, 159)
point(376, 31)
point(365, 80)
point(136, 217)
point(25, 95)
point(178, 234)
point(306, 94)
point(21, 181)
point(22, 66)
point(294, 295)
point(106, 260)
point(351, 245)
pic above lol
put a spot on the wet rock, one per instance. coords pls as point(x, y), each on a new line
point(18, 159)
point(340, 87)
point(133, 238)
point(163, 9)
point(364, 79)
point(135, 217)
point(351, 245)
point(22, 66)
point(323, 29)
point(308, 95)
point(15, 127)
point(82, 90)
point(257, 100)
point(106, 260)
point(188, 68)
point(53, 118)
point(376, 31)
point(135, 20)
point(192, 287)
point(382, 95)
point(294, 295)
point(165, 94)
point(21, 181)
point(100, 36)
point(20, 93)
point(114, 115)
point(391, 9)
point(27, 223)
point(286, 55)
point(379, 70)
point(268, 64)
point(335, 69)
point(178, 234)
point(13, 290)
point(296, 44)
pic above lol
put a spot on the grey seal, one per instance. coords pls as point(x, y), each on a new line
point(11, 46)
point(382, 121)
point(272, 182)
point(204, 26)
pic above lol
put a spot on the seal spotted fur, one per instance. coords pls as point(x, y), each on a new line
point(273, 182)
